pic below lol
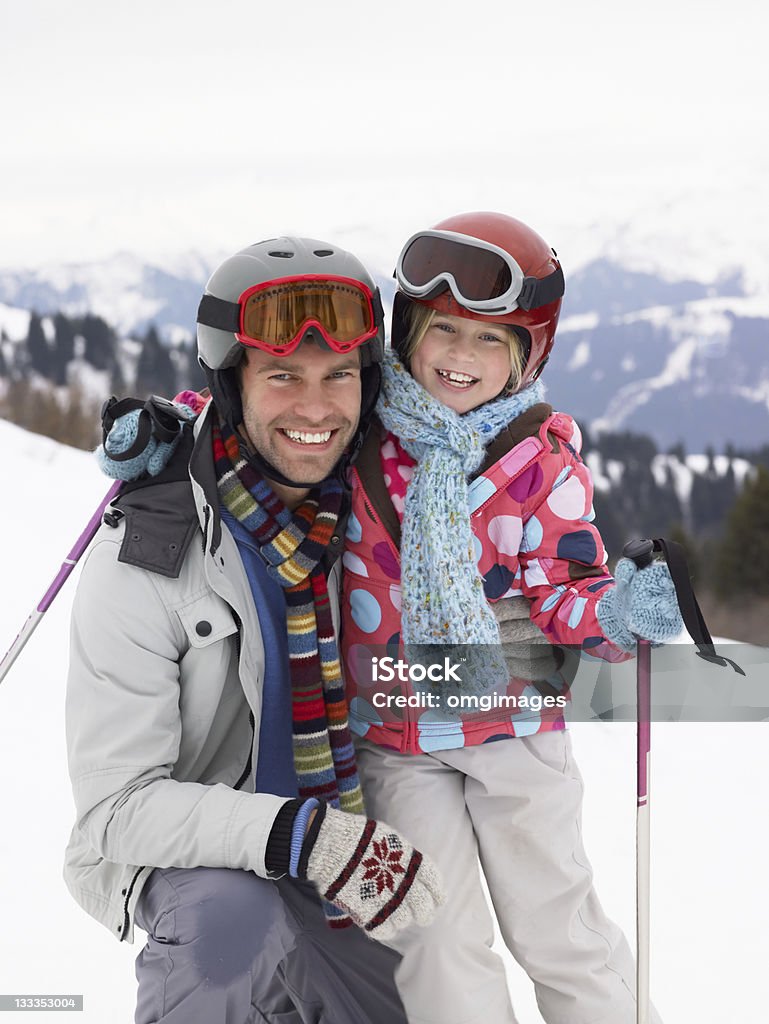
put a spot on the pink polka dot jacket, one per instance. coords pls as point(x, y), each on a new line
point(531, 509)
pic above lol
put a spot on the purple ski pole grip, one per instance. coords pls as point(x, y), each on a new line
point(78, 548)
point(644, 719)
point(643, 835)
point(642, 553)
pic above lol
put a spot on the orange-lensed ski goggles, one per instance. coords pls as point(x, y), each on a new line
point(275, 315)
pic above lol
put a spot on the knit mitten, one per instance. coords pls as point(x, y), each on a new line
point(642, 604)
point(151, 460)
point(370, 871)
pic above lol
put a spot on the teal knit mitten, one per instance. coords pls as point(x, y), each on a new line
point(642, 604)
point(151, 460)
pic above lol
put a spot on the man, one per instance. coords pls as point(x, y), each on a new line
point(212, 766)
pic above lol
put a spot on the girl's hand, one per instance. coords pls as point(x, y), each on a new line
point(642, 604)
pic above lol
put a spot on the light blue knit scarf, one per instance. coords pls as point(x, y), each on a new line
point(443, 600)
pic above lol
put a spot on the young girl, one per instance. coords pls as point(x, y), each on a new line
point(471, 493)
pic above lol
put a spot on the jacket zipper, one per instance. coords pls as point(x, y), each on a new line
point(127, 893)
point(372, 512)
point(206, 520)
point(409, 728)
point(252, 720)
point(247, 770)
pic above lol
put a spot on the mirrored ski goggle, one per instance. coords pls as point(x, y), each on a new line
point(275, 315)
point(482, 277)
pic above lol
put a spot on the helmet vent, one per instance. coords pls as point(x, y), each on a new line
point(280, 254)
point(323, 252)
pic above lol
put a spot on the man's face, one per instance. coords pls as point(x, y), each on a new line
point(301, 411)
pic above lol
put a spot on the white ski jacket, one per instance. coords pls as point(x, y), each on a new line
point(164, 696)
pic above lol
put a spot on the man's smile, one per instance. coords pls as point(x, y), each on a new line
point(306, 437)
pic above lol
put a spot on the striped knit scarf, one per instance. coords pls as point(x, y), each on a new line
point(292, 545)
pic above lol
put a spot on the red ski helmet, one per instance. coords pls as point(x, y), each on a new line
point(484, 266)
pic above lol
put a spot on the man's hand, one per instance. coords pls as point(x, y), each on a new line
point(370, 871)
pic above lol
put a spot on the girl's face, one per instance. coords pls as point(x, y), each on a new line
point(463, 363)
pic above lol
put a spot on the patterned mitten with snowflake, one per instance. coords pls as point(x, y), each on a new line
point(370, 871)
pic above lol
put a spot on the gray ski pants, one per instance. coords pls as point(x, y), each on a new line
point(512, 809)
point(228, 947)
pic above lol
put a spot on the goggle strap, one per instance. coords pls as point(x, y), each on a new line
point(376, 302)
point(536, 292)
point(214, 312)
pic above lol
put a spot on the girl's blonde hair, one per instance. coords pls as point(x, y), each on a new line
point(419, 318)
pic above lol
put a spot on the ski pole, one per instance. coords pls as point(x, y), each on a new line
point(640, 551)
point(67, 566)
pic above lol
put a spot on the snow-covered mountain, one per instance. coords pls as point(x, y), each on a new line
point(125, 291)
point(679, 359)
point(696, 371)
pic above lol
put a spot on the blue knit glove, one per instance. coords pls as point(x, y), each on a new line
point(151, 460)
point(642, 604)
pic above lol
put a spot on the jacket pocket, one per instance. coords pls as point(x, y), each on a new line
point(207, 620)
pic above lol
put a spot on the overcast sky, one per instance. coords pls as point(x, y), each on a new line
point(162, 126)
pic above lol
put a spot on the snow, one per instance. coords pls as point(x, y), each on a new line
point(760, 393)
point(699, 464)
point(49, 331)
point(710, 808)
point(14, 321)
point(703, 325)
point(607, 473)
point(743, 306)
point(681, 473)
point(699, 330)
point(594, 462)
point(190, 264)
point(630, 397)
point(614, 471)
point(578, 322)
point(664, 231)
point(113, 288)
point(94, 384)
point(49, 494)
point(580, 357)
point(704, 318)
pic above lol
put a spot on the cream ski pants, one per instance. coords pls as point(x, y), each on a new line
point(512, 808)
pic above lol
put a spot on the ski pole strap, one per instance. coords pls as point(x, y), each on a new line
point(158, 418)
point(691, 612)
